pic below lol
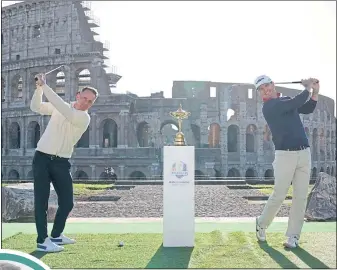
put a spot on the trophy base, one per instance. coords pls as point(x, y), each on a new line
point(179, 139)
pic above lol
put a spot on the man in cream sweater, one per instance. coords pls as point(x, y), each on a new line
point(51, 160)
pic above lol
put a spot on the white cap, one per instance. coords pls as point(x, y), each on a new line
point(261, 80)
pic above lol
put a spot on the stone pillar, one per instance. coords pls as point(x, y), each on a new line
point(123, 129)
point(93, 132)
point(23, 133)
point(7, 89)
point(203, 125)
point(121, 171)
point(260, 152)
point(93, 172)
point(224, 149)
point(242, 148)
point(69, 76)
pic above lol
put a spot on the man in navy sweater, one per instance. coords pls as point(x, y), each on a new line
point(292, 163)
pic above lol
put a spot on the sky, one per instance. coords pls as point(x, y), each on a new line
point(154, 43)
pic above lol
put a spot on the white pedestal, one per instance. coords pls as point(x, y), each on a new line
point(178, 205)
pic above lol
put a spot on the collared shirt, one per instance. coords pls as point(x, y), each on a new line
point(65, 127)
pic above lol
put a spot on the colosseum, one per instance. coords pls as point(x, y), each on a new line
point(128, 132)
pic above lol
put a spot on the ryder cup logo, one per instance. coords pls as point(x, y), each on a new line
point(179, 169)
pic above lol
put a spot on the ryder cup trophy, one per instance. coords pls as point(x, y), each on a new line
point(180, 115)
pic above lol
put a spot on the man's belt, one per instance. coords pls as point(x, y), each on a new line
point(302, 147)
point(51, 157)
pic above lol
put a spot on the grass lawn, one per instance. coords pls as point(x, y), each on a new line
point(86, 189)
point(212, 250)
point(90, 189)
point(268, 189)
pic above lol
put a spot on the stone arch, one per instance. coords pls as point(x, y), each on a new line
point(315, 144)
point(60, 83)
point(143, 137)
point(267, 139)
point(198, 174)
point(314, 172)
point(109, 133)
point(81, 175)
point(214, 135)
point(251, 138)
point(251, 173)
point(83, 78)
point(33, 134)
point(196, 135)
point(168, 131)
point(233, 172)
point(16, 86)
point(322, 169)
point(13, 175)
point(14, 136)
point(332, 171)
point(84, 141)
point(233, 143)
point(269, 174)
point(30, 175)
point(137, 175)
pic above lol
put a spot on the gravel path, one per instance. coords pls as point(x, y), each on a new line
point(147, 201)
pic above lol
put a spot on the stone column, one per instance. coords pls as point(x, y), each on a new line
point(7, 89)
point(318, 140)
point(93, 172)
point(260, 152)
point(69, 75)
point(203, 125)
point(121, 171)
point(242, 148)
point(23, 133)
point(123, 129)
point(224, 149)
point(93, 132)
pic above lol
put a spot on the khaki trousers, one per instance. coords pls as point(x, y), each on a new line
point(289, 167)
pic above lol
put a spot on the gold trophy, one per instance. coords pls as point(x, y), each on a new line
point(179, 115)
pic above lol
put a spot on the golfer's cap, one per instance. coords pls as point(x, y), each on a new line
point(261, 80)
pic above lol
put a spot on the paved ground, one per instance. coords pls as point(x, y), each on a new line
point(155, 225)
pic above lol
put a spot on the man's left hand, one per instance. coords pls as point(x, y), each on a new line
point(41, 80)
point(315, 86)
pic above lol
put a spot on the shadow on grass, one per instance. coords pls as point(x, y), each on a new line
point(277, 256)
point(38, 254)
point(166, 257)
point(308, 259)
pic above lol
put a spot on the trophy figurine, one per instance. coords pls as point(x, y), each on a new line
point(179, 115)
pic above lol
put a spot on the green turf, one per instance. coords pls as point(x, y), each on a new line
point(86, 189)
point(90, 189)
point(212, 250)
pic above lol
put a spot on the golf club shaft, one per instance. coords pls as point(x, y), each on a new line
point(292, 82)
point(51, 71)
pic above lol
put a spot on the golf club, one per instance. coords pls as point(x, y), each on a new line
point(50, 71)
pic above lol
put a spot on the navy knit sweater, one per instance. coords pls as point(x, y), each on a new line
point(282, 116)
